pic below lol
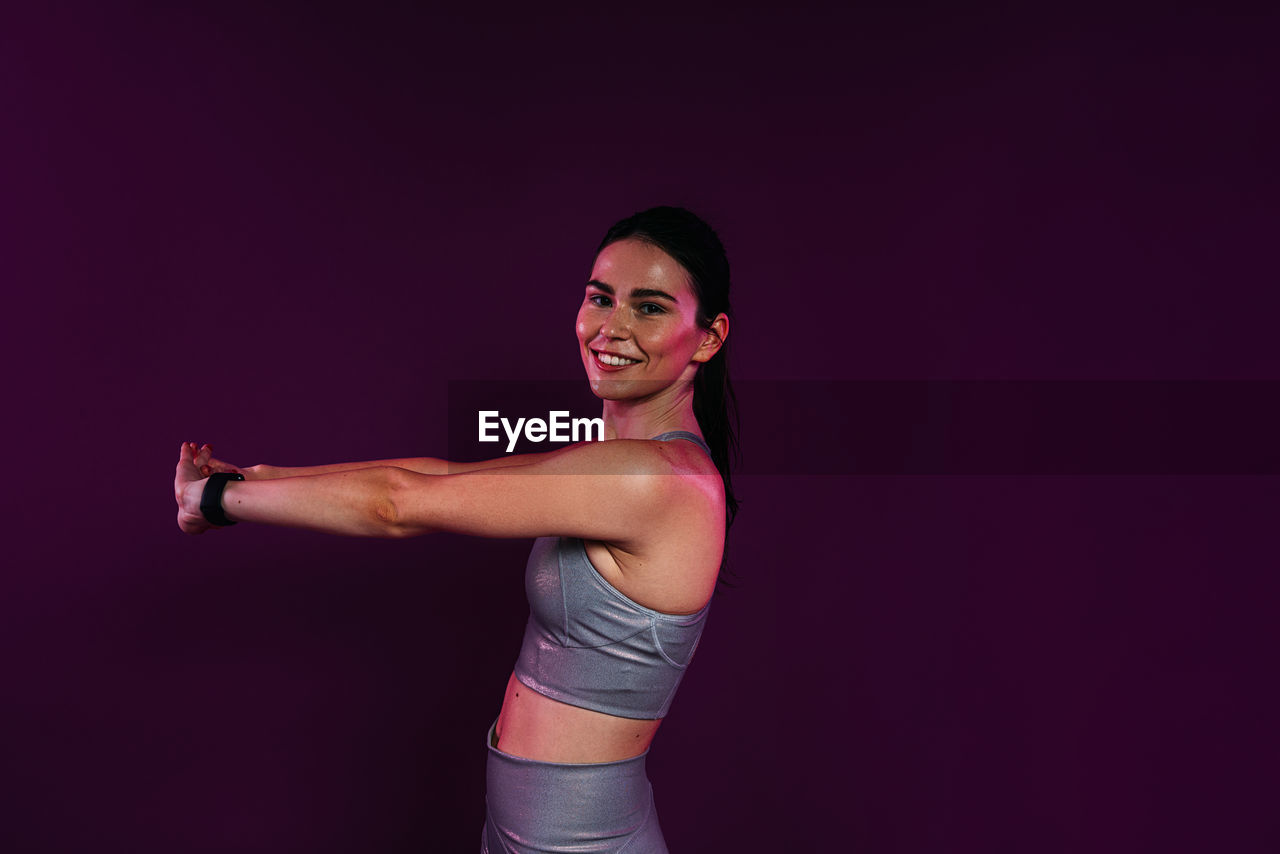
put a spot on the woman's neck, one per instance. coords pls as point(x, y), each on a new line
point(644, 419)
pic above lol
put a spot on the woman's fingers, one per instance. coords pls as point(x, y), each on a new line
point(186, 470)
point(186, 454)
point(201, 456)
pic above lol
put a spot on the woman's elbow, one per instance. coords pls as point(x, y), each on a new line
point(392, 509)
point(385, 518)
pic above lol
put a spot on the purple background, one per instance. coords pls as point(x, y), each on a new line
point(285, 231)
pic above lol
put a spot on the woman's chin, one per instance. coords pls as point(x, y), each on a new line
point(607, 388)
point(610, 389)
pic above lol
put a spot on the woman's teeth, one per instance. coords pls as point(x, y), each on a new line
point(616, 361)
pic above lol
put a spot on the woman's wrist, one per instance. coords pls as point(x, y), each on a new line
point(191, 495)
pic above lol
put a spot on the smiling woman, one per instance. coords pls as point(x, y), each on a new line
point(618, 601)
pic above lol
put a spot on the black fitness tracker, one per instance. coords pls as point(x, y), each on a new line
point(211, 498)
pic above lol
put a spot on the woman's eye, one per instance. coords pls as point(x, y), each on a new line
point(657, 309)
point(598, 299)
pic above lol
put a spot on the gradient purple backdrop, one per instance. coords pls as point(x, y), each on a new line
point(285, 230)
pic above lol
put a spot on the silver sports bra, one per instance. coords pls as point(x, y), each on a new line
point(588, 645)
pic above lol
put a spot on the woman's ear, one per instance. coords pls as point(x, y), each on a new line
point(713, 338)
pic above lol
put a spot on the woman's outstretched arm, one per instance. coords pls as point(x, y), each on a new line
point(421, 465)
point(351, 499)
point(602, 490)
point(351, 503)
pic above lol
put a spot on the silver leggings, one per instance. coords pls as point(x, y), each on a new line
point(533, 806)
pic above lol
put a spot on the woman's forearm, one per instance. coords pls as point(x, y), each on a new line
point(354, 503)
point(422, 465)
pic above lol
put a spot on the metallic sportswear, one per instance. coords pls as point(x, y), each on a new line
point(588, 645)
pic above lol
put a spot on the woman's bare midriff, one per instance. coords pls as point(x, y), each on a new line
point(535, 726)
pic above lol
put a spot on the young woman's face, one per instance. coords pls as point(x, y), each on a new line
point(637, 327)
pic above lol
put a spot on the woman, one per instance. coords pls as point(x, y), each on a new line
point(631, 535)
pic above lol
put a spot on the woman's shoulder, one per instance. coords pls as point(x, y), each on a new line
point(673, 477)
point(628, 456)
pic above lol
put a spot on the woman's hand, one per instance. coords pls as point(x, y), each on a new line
point(210, 466)
point(188, 485)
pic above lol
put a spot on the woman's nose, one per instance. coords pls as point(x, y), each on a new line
point(615, 325)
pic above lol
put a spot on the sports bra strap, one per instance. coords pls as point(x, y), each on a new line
point(684, 434)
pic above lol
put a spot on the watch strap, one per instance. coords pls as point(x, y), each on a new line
point(211, 498)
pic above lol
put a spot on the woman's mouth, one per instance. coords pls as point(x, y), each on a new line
point(610, 362)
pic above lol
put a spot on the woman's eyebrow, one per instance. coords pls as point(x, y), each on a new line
point(637, 293)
